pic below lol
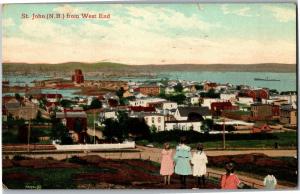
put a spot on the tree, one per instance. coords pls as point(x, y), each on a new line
point(112, 129)
point(96, 103)
point(179, 98)
point(60, 132)
point(207, 125)
point(66, 103)
point(199, 87)
point(178, 87)
point(138, 128)
point(153, 129)
point(120, 92)
point(18, 96)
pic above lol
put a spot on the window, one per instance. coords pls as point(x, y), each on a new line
point(152, 119)
point(159, 119)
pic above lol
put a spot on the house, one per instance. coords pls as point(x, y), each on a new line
point(291, 99)
point(183, 125)
point(260, 127)
point(25, 111)
point(155, 120)
point(150, 90)
point(51, 97)
point(245, 100)
point(107, 114)
point(145, 101)
point(255, 94)
point(206, 102)
point(76, 123)
point(228, 97)
point(218, 107)
point(141, 109)
point(192, 113)
point(195, 100)
point(288, 116)
point(209, 86)
point(264, 112)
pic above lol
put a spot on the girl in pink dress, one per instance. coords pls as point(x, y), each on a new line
point(167, 164)
point(230, 180)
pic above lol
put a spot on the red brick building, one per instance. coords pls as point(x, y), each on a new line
point(257, 95)
point(75, 121)
point(150, 90)
point(78, 77)
point(264, 112)
point(218, 107)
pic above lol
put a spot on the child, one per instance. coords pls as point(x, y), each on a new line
point(270, 181)
point(230, 180)
point(182, 161)
point(199, 161)
point(167, 164)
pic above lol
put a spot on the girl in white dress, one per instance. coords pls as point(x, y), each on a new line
point(199, 161)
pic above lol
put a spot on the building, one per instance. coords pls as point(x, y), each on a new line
point(218, 107)
point(51, 97)
point(27, 110)
point(288, 116)
point(155, 120)
point(228, 97)
point(206, 102)
point(209, 86)
point(145, 101)
point(245, 100)
point(76, 123)
point(192, 113)
point(183, 125)
point(264, 112)
point(150, 90)
point(256, 95)
point(78, 77)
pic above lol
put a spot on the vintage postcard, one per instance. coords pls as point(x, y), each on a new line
point(149, 96)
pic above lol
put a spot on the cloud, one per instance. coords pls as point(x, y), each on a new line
point(240, 12)
point(138, 36)
point(282, 14)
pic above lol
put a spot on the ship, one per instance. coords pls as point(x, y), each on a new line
point(265, 79)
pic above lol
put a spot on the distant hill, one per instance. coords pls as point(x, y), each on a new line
point(117, 67)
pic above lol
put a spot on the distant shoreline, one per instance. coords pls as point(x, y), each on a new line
point(117, 67)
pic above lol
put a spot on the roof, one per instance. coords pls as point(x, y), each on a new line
point(141, 108)
point(79, 114)
point(51, 95)
point(185, 111)
point(13, 105)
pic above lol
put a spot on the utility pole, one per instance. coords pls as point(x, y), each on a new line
point(94, 129)
point(224, 145)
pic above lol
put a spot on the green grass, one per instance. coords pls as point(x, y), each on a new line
point(284, 139)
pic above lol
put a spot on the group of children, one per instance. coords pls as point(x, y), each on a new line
point(184, 163)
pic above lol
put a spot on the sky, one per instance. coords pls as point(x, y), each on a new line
point(141, 34)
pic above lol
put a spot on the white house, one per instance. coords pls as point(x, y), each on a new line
point(292, 99)
point(168, 105)
point(245, 100)
point(206, 102)
point(194, 100)
point(228, 97)
point(192, 113)
point(108, 114)
point(183, 125)
point(145, 101)
point(156, 120)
